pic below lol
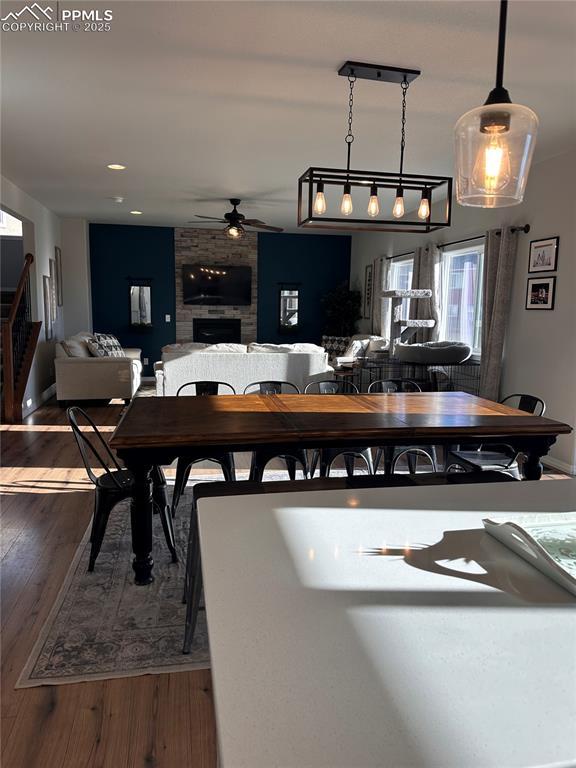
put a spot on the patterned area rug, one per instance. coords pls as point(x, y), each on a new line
point(102, 625)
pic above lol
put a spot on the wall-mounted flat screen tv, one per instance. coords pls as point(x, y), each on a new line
point(217, 284)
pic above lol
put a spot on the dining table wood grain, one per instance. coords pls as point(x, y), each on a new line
point(155, 431)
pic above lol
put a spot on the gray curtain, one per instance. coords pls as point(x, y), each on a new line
point(379, 305)
point(499, 258)
point(423, 276)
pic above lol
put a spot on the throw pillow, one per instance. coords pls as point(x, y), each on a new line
point(335, 345)
point(105, 345)
point(356, 348)
point(76, 347)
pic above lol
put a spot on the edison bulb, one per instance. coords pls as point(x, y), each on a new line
point(346, 206)
point(492, 167)
point(373, 204)
point(424, 207)
point(398, 209)
point(320, 200)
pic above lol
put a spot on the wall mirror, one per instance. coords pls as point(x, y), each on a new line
point(289, 306)
point(140, 305)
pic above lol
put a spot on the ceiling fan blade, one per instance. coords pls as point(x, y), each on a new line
point(210, 218)
point(257, 224)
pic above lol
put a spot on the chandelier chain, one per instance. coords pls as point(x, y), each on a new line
point(349, 138)
point(405, 85)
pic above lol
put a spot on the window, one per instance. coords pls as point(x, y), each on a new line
point(289, 301)
point(400, 278)
point(459, 282)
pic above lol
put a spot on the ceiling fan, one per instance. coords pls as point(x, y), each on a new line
point(236, 222)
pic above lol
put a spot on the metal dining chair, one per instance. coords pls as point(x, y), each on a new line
point(392, 454)
point(289, 453)
point(115, 485)
point(327, 456)
point(224, 458)
point(496, 458)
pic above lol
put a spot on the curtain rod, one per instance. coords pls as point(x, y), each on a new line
point(524, 228)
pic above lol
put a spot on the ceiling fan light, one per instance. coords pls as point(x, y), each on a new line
point(234, 231)
point(494, 148)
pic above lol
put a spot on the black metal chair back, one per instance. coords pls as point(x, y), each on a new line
point(271, 388)
point(331, 387)
point(207, 388)
point(387, 386)
point(528, 403)
point(88, 450)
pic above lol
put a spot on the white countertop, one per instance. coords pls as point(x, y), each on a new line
point(384, 627)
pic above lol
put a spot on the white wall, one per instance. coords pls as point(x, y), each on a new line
point(76, 276)
point(41, 233)
point(540, 353)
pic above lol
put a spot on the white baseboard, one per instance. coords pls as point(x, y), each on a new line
point(549, 461)
point(33, 404)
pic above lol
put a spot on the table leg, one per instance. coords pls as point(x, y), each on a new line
point(532, 467)
point(141, 519)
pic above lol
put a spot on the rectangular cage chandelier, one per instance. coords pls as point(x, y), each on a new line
point(355, 200)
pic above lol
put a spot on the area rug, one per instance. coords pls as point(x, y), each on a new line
point(104, 626)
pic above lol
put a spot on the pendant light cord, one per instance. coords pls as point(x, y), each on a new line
point(405, 85)
point(349, 138)
point(501, 43)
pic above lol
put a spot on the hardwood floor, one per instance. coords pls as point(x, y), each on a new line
point(153, 721)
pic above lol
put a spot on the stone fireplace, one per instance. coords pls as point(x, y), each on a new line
point(212, 247)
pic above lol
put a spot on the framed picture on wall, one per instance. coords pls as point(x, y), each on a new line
point(48, 330)
point(368, 276)
point(53, 291)
point(59, 292)
point(540, 293)
point(544, 255)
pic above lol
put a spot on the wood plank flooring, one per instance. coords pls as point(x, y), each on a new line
point(153, 721)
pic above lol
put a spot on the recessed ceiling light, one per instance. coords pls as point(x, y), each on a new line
point(116, 167)
point(118, 199)
point(136, 213)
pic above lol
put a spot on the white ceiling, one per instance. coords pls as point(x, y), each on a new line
point(205, 100)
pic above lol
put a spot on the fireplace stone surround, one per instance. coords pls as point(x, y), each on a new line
point(211, 246)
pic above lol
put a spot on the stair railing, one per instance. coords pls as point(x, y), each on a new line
point(14, 336)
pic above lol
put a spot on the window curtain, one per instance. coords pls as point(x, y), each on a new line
point(499, 256)
point(424, 275)
point(380, 308)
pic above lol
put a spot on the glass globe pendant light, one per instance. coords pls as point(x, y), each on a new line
point(495, 144)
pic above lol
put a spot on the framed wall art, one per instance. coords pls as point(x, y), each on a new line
point(543, 255)
point(368, 277)
point(540, 293)
point(59, 291)
point(48, 329)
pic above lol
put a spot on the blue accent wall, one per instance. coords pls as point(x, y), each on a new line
point(318, 262)
point(117, 253)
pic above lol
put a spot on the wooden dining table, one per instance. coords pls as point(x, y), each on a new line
point(155, 431)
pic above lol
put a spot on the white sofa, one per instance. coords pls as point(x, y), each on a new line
point(83, 377)
point(240, 368)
